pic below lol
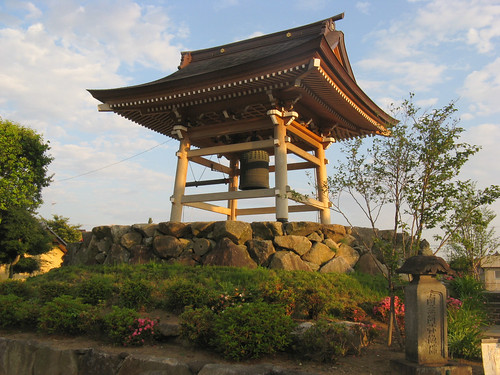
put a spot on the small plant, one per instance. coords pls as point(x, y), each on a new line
point(143, 331)
point(467, 289)
point(135, 294)
point(185, 293)
point(465, 332)
point(117, 324)
point(95, 290)
point(15, 313)
point(383, 308)
point(67, 315)
point(17, 287)
point(251, 330)
point(279, 293)
point(49, 290)
point(226, 300)
point(310, 303)
point(197, 325)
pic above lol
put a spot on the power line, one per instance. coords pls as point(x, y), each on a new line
point(113, 164)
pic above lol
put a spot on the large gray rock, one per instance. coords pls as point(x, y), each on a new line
point(335, 232)
point(288, 260)
point(338, 265)
point(260, 251)
point(118, 231)
point(98, 362)
point(130, 239)
point(201, 246)
point(232, 369)
point(350, 255)
point(149, 365)
point(167, 247)
point(174, 228)
point(334, 246)
point(369, 264)
point(297, 244)
point(117, 255)
point(237, 231)
point(364, 238)
point(266, 230)
point(202, 228)
point(102, 231)
point(141, 254)
point(319, 254)
point(147, 230)
point(227, 253)
point(301, 228)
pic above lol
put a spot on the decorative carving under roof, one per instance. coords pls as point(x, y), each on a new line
point(304, 69)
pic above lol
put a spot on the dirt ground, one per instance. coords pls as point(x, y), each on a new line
point(374, 360)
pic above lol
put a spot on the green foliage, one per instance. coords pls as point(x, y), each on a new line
point(118, 323)
point(323, 342)
point(27, 265)
point(135, 294)
point(23, 166)
point(67, 232)
point(197, 325)
point(465, 332)
point(184, 293)
point(17, 287)
point(468, 290)
point(251, 330)
point(49, 290)
point(20, 234)
point(95, 290)
point(143, 331)
point(67, 315)
point(16, 312)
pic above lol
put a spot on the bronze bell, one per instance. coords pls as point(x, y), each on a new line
point(254, 170)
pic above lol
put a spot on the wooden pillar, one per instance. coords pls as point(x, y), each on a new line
point(322, 186)
point(280, 163)
point(180, 176)
point(233, 186)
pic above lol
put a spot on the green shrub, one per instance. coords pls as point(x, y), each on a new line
point(15, 312)
point(184, 293)
point(197, 325)
point(251, 330)
point(49, 290)
point(465, 332)
point(67, 315)
point(135, 294)
point(279, 293)
point(142, 331)
point(310, 303)
point(323, 342)
point(18, 287)
point(469, 290)
point(118, 323)
point(97, 289)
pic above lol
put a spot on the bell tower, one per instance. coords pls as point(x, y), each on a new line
point(254, 103)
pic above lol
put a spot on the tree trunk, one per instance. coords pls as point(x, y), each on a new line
point(12, 264)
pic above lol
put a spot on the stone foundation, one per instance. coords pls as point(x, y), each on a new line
point(304, 246)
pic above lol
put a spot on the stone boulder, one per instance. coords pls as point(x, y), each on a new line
point(174, 228)
point(201, 246)
point(118, 231)
point(266, 230)
point(301, 228)
point(316, 237)
point(288, 260)
point(335, 232)
point(147, 230)
point(297, 244)
point(227, 253)
point(350, 255)
point(338, 265)
point(167, 246)
point(101, 232)
point(117, 255)
point(260, 251)
point(319, 254)
point(237, 231)
point(363, 238)
point(369, 264)
point(202, 228)
point(130, 239)
point(141, 254)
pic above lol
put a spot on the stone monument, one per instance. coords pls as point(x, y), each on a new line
point(426, 344)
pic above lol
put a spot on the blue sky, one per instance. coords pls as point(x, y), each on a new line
point(52, 51)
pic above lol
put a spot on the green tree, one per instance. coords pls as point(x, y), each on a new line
point(63, 229)
point(412, 174)
point(21, 234)
point(24, 161)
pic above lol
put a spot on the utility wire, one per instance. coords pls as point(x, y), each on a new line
point(112, 164)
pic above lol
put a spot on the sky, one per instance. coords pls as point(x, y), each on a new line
point(108, 170)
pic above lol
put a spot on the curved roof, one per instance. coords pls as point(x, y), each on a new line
point(305, 69)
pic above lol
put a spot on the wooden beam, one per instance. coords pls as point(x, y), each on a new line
point(299, 198)
point(305, 134)
point(244, 194)
point(228, 149)
point(272, 210)
point(295, 166)
point(209, 207)
point(210, 164)
point(303, 154)
point(207, 182)
point(229, 127)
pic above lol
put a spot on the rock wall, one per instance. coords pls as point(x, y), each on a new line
point(304, 246)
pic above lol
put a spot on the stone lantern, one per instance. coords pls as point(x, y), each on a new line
point(426, 344)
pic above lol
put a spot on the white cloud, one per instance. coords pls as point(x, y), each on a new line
point(363, 6)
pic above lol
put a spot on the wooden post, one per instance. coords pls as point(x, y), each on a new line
point(233, 186)
point(322, 186)
point(280, 162)
point(180, 177)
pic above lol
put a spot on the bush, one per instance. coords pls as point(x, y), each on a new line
point(135, 294)
point(118, 323)
point(184, 293)
point(323, 342)
point(67, 315)
point(49, 290)
point(15, 313)
point(464, 330)
point(383, 308)
point(197, 325)
point(142, 332)
point(251, 330)
point(469, 290)
point(17, 287)
point(95, 290)
point(310, 303)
